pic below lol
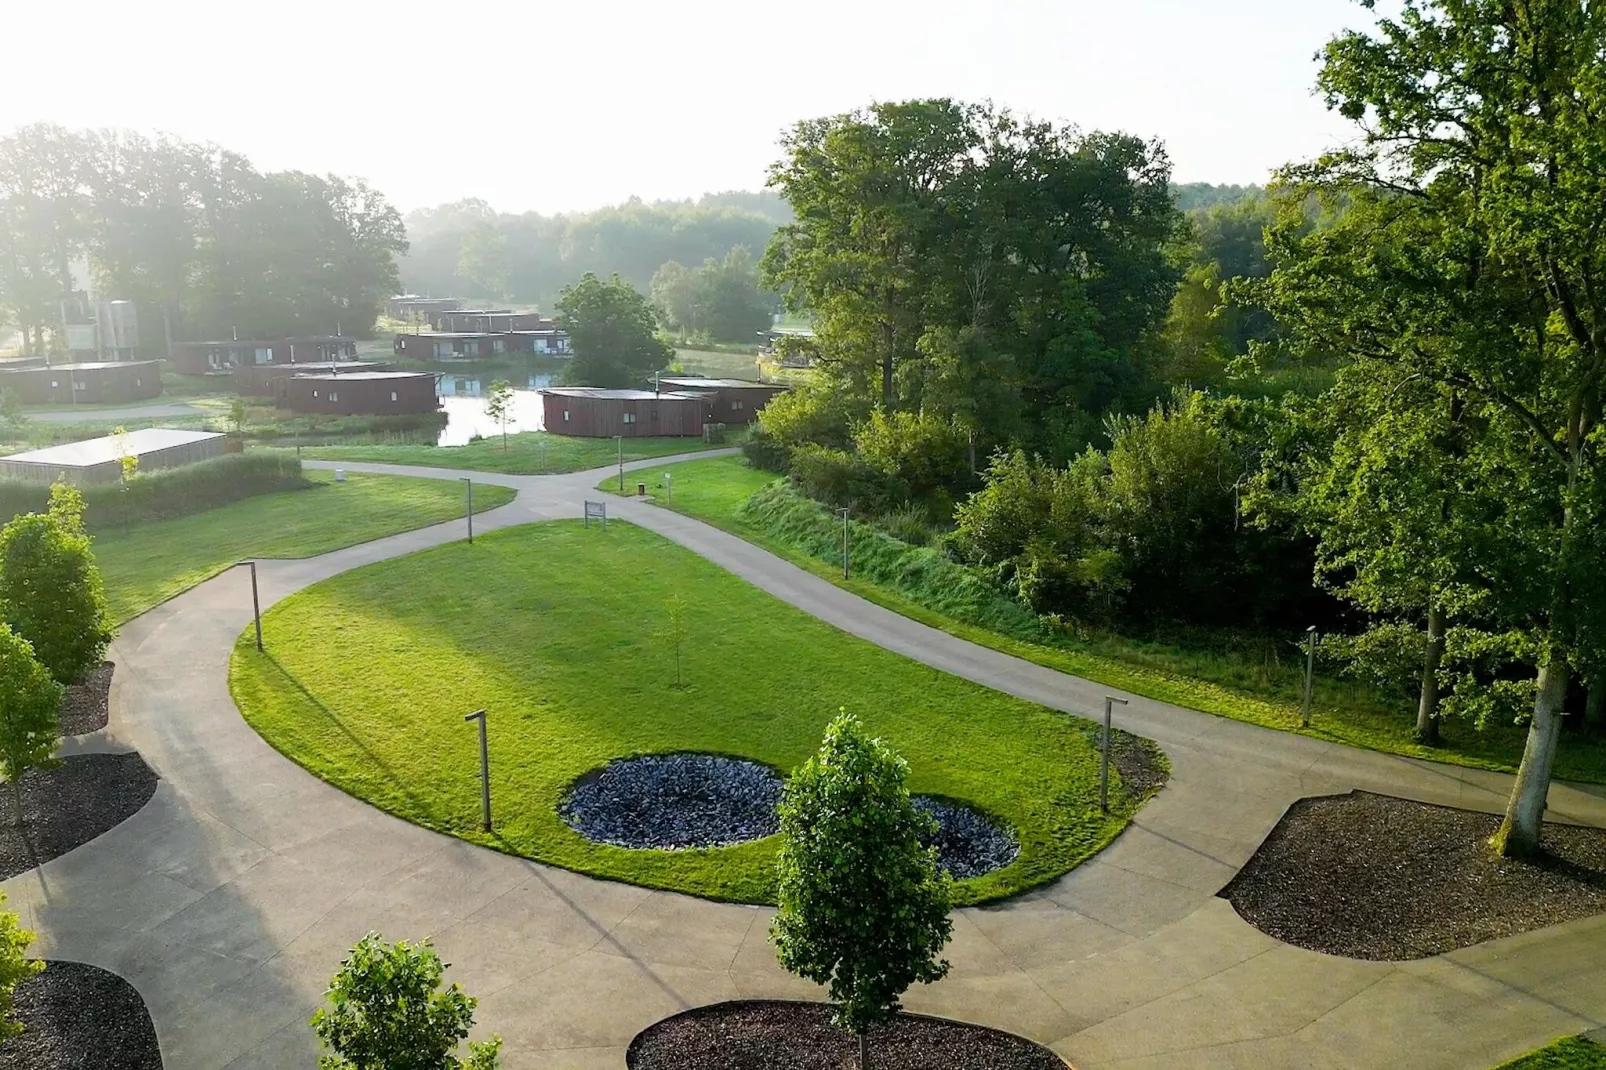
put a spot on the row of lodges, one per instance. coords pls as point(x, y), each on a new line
point(681, 406)
point(222, 357)
point(339, 387)
point(552, 341)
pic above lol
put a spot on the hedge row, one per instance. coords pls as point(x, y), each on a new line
point(167, 492)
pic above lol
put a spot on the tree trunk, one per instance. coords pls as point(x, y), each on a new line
point(167, 327)
point(1427, 707)
point(1519, 833)
point(1595, 705)
point(864, 1050)
point(16, 799)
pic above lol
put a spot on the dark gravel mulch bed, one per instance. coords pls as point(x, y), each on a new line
point(1376, 877)
point(783, 1035)
point(675, 800)
point(1140, 762)
point(968, 842)
point(85, 706)
point(68, 806)
point(80, 1017)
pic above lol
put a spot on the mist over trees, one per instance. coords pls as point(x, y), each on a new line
point(191, 231)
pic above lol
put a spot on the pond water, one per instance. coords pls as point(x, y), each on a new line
point(463, 394)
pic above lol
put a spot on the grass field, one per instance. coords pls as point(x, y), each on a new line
point(527, 453)
point(717, 365)
point(150, 563)
point(557, 630)
point(1569, 1053)
point(916, 583)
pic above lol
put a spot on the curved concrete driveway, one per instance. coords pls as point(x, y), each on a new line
point(229, 900)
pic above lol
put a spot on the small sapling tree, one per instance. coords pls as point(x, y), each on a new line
point(30, 704)
point(386, 1011)
point(237, 415)
point(674, 632)
point(51, 592)
point(499, 405)
point(15, 967)
point(863, 906)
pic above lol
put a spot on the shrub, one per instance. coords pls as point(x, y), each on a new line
point(50, 590)
point(386, 1012)
point(909, 524)
point(15, 967)
point(30, 702)
point(808, 414)
point(863, 906)
point(840, 478)
point(921, 451)
point(763, 450)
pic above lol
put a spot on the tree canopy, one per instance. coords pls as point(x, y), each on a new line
point(611, 327)
point(51, 592)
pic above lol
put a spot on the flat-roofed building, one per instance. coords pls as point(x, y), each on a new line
point(100, 460)
point(592, 412)
point(85, 382)
point(362, 393)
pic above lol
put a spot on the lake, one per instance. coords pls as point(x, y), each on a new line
point(463, 400)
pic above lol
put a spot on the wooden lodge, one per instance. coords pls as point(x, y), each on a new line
point(86, 382)
point(366, 393)
point(592, 412)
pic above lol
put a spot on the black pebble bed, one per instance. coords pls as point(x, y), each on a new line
point(1376, 877)
point(85, 705)
point(783, 1035)
point(968, 842)
point(80, 1017)
point(68, 806)
point(668, 801)
point(675, 800)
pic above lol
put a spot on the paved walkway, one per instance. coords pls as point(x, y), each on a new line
point(90, 414)
point(229, 900)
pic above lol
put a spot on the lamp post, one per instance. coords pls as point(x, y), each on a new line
point(1310, 668)
point(256, 602)
point(1104, 754)
point(844, 544)
point(620, 439)
point(485, 770)
point(470, 484)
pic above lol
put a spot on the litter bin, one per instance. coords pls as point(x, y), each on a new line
point(641, 490)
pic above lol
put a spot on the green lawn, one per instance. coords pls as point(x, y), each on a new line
point(527, 453)
point(150, 563)
point(557, 630)
point(1569, 1053)
point(912, 583)
point(715, 364)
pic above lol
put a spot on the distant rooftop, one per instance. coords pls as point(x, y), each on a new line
point(485, 312)
point(694, 382)
point(315, 365)
point(616, 395)
point(348, 376)
point(100, 450)
point(272, 341)
point(83, 366)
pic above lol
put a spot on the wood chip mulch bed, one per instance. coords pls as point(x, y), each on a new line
point(85, 706)
point(70, 805)
point(1376, 877)
point(80, 1017)
point(785, 1035)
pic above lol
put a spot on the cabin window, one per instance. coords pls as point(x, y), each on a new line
point(80, 384)
point(393, 395)
point(498, 345)
point(138, 381)
point(736, 406)
point(265, 355)
point(54, 385)
point(565, 415)
point(630, 417)
point(314, 393)
point(333, 396)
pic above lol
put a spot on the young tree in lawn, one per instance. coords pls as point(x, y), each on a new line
point(499, 405)
point(30, 703)
point(51, 592)
point(1469, 256)
point(15, 967)
point(863, 906)
point(387, 1012)
point(611, 328)
point(674, 632)
point(238, 414)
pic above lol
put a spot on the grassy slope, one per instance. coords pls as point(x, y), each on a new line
point(712, 490)
point(1568, 1053)
point(149, 563)
point(523, 456)
point(570, 662)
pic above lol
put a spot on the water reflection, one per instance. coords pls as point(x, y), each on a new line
point(463, 401)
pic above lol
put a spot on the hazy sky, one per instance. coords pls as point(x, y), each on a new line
point(560, 106)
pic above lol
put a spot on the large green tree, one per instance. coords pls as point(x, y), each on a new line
point(863, 905)
point(1471, 258)
point(611, 327)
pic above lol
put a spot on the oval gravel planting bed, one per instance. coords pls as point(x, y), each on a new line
point(786, 1035)
point(80, 1017)
point(968, 842)
point(70, 805)
point(675, 800)
point(1376, 877)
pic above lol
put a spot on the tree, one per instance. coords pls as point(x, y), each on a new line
point(15, 967)
point(11, 414)
point(386, 1012)
point(499, 405)
point(611, 327)
point(482, 261)
point(863, 906)
point(1468, 258)
point(674, 292)
point(674, 631)
point(30, 703)
point(238, 413)
point(127, 462)
point(731, 307)
point(51, 592)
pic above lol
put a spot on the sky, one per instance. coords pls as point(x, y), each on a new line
point(550, 107)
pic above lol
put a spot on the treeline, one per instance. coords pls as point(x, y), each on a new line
point(469, 249)
point(193, 232)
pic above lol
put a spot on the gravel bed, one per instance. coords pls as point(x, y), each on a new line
point(968, 842)
point(783, 1035)
point(1140, 762)
point(85, 706)
point(1376, 877)
point(80, 1017)
point(68, 806)
point(675, 800)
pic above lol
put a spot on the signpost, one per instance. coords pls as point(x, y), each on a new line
point(256, 603)
point(596, 511)
point(1310, 667)
point(844, 544)
point(620, 439)
point(470, 483)
point(1104, 754)
point(485, 769)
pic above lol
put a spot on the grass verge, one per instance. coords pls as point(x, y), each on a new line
point(1568, 1053)
point(146, 564)
point(558, 631)
point(526, 453)
point(922, 585)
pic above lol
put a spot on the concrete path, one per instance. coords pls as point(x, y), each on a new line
point(89, 414)
point(229, 900)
